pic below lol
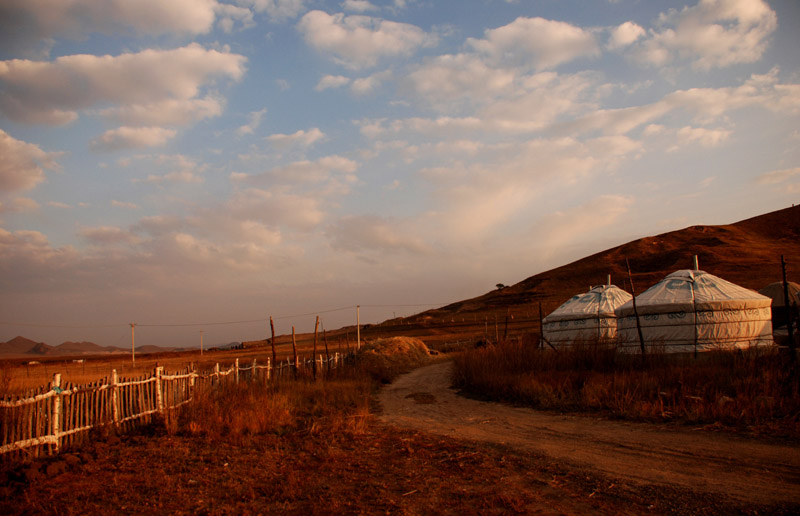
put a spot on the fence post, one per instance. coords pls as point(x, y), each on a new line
point(216, 373)
point(253, 374)
point(115, 397)
point(192, 377)
point(159, 394)
point(55, 421)
point(236, 370)
point(269, 368)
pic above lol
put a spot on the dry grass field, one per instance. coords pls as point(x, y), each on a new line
point(303, 447)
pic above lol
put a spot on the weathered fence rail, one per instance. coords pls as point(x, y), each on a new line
point(47, 419)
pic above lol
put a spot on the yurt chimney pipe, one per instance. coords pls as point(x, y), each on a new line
point(696, 264)
point(608, 279)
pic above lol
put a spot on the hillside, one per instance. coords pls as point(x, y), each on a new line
point(747, 253)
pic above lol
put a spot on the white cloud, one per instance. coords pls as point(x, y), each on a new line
point(555, 231)
point(703, 136)
point(25, 22)
point(367, 85)
point(300, 138)
point(53, 92)
point(332, 81)
point(277, 10)
point(19, 205)
point(167, 112)
point(711, 34)
point(451, 79)
point(778, 176)
point(230, 14)
point(369, 232)
point(107, 235)
point(132, 138)
point(253, 123)
point(276, 208)
point(536, 42)
point(360, 41)
point(624, 35)
point(122, 204)
point(22, 164)
point(359, 6)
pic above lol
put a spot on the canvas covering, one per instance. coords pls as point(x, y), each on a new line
point(692, 310)
point(585, 317)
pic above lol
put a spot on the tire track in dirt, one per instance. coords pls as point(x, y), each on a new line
point(747, 469)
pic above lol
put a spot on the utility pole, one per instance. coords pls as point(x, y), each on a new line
point(272, 328)
point(133, 345)
point(788, 306)
point(358, 327)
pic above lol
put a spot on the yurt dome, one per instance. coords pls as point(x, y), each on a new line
point(589, 316)
point(692, 310)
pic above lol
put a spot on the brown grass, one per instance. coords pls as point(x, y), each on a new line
point(756, 390)
point(311, 448)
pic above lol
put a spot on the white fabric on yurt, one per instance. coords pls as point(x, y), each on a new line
point(585, 317)
point(693, 310)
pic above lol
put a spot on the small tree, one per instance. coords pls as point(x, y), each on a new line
point(500, 286)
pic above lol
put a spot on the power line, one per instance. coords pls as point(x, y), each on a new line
point(221, 323)
point(35, 325)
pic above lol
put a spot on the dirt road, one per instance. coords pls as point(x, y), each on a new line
point(747, 469)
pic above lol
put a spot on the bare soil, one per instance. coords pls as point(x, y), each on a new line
point(750, 470)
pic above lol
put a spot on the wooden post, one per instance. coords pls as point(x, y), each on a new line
point(114, 397)
point(201, 343)
point(269, 369)
point(505, 326)
point(192, 377)
point(272, 328)
point(133, 346)
point(327, 354)
point(541, 327)
point(789, 316)
point(55, 417)
point(294, 349)
point(159, 393)
point(236, 370)
point(314, 362)
point(253, 373)
point(358, 328)
point(636, 312)
point(216, 373)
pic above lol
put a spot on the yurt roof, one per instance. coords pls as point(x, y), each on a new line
point(775, 291)
point(600, 301)
point(692, 289)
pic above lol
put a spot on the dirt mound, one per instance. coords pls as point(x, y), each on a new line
point(385, 359)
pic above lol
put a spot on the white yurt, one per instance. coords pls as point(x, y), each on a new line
point(585, 317)
point(691, 311)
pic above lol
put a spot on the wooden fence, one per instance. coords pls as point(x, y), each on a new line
point(50, 418)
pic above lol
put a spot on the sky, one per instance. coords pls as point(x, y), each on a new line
point(200, 161)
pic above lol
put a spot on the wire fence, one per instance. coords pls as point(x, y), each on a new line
point(60, 415)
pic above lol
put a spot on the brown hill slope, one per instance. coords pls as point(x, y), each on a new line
point(747, 253)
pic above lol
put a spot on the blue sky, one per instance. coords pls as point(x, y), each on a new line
point(197, 161)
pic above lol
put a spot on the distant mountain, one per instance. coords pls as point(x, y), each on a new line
point(82, 348)
point(21, 345)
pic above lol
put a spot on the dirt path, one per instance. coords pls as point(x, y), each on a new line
point(746, 469)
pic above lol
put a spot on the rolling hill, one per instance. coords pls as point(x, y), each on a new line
point(747, 252)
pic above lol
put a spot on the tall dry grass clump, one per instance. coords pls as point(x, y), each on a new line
point(758, 389)
point(385, 359)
